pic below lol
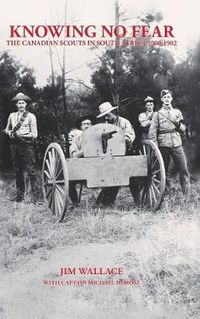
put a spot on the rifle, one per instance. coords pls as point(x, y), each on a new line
point(24, 139)
point(105, 137)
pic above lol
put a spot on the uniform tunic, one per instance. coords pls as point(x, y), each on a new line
point(164, 132)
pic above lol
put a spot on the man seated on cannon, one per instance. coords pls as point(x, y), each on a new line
point(76, 146)
point(108, 115)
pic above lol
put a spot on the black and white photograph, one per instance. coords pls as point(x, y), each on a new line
point(99, 159)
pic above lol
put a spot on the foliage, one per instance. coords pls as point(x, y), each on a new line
point(146, 71)
point(141, 71)
point(130, 72)
point(14, 77)
point(47, 103)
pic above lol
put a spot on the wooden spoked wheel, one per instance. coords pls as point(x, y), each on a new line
point(55, 181)
point(151, 187)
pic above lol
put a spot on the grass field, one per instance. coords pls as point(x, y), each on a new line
point(161, 250)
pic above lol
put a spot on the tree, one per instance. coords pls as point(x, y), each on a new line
point(142, 71)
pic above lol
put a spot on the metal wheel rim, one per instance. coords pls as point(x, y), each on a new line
point(152, 187)
point(55, 181)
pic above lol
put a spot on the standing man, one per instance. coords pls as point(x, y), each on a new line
point(22, 130)
point(165, 129)
point(145, 118)
point(107, 114)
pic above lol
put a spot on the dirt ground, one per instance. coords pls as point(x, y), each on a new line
point(24, 295)
point(159, 254)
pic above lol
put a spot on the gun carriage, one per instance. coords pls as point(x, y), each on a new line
point(104, 164)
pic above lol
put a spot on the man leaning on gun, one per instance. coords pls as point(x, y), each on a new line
point(107, 115)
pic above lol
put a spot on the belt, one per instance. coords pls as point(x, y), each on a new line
point(167, 131)
point(22, 141)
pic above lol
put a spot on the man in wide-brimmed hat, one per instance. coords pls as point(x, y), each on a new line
point(107, 114)
point(22, 130)
point(105, 108)
point(145, 118)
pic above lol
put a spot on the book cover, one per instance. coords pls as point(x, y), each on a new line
point(134, 252)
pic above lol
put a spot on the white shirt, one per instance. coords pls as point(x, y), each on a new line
point(28, 127)
point(126, 126)
point(145, 118)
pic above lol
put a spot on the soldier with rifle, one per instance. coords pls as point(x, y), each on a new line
point(145, 118)
point(166, 128)
point(22, 131)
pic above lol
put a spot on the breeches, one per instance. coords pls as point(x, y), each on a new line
point(23, 159)
point(178, 156)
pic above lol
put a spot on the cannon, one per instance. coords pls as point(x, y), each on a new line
point(104, 164)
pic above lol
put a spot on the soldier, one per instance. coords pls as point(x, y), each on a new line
point(166, 127)
point(145, 118)
point(22, 130)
